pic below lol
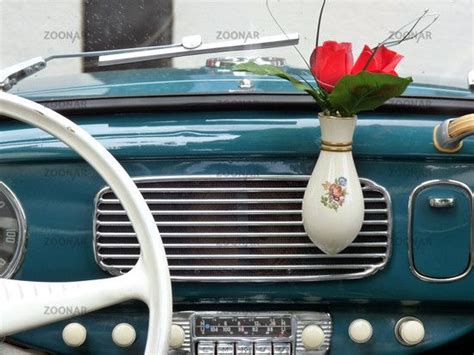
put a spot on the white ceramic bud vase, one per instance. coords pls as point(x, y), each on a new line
point(333, 204)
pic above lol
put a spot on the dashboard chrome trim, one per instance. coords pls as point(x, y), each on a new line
point(372, 269)
point(411, 256)
point(22, 231)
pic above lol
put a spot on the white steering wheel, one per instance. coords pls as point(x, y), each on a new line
point(22, 303)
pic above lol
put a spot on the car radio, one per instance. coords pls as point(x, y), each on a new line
point(255, 333)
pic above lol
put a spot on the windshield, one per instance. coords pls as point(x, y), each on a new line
point(440, 55)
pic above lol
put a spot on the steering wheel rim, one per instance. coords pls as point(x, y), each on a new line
point(22, 302)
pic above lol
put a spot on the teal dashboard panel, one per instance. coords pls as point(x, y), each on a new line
point(57, 191)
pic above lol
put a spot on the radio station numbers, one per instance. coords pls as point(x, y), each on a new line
point(240, 326)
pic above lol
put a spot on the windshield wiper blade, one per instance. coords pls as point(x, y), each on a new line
point(186, 41)
point(201, 48)
point(190, 45)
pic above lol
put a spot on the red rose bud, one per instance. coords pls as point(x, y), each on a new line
point(384, 61)
point(330, 62)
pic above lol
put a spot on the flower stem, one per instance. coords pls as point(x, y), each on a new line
point(320, 18)
point(284, 32)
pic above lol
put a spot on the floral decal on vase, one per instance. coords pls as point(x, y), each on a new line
point(335, 193)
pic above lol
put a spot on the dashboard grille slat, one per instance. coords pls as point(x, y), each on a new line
point(218, 228)
point(212, 201)
point(233, 245)
point(251, 256)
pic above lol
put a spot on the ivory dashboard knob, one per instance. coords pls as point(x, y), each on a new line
point(312, 337)
point(360, 331)
point(177, 336)
point(124, 335)
point(410, 331)
point(74, 334)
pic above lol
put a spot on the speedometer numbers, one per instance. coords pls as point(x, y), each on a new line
point(12, 232)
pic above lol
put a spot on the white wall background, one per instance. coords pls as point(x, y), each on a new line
point(32, 28)
point(443, 55)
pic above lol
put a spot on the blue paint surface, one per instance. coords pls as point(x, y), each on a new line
point(167, 81)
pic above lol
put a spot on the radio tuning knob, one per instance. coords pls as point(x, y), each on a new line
point(312, 337)
point(177, 336)
point(410, 331)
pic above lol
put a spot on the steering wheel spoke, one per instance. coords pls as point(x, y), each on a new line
point(26, 305)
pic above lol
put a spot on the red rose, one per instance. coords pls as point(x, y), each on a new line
point(333, 60)
point(384, 61)
point(330, 62)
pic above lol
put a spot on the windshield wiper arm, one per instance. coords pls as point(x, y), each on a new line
point(11, 75)
point(199, 48)
point(191, 45)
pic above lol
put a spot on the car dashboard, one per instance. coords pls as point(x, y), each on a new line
point(225, 186)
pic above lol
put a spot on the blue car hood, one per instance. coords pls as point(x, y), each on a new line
point(166, 81)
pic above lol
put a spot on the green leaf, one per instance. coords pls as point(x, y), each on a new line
point(266, 69)
point(365, 92)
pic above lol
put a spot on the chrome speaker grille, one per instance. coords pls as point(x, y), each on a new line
point(218, 228)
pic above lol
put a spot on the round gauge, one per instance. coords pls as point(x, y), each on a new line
point(12, 232)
